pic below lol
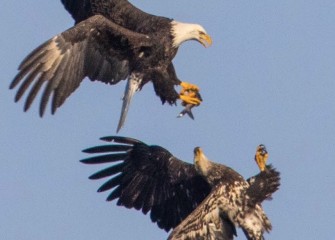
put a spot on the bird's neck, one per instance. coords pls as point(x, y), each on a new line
point(202, 165)
point(182, 32)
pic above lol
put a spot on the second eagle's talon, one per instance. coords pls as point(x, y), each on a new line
point(261, 157)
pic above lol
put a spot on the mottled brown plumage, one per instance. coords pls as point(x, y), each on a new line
point(232, 202)
point(180, 195)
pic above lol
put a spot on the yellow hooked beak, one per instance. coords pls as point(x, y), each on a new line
point(205, 40)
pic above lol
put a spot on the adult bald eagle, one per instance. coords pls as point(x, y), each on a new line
point(112, 40)
point(198, 201)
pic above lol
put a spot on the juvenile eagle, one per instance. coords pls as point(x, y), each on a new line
point(112, 40)
point(201, 201)
point(232, 202)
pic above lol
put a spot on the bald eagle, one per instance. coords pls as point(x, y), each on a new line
point(197, 201)
point(112, 40)
point(232, 202)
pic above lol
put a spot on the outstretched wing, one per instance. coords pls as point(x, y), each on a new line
point(263, 185)
point(209, 220)
point(115, 10)
point(96, 48)
point(149, 178)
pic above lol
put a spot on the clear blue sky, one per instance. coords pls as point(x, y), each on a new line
point(268, 78)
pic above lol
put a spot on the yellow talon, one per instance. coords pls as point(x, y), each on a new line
point(189, 100)
point(189, 94)
point(189, 87)
point(261, 157)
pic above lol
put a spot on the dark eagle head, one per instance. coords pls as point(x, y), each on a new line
point(261, 156)
point(182, 32)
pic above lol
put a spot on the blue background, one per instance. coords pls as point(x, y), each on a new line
point(268, 78)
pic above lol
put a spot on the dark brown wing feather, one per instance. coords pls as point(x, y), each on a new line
point(263, 185)
point(96, 48)
point(149, 178)
point(121, 12)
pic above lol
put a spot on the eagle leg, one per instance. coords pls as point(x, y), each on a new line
point(261, 157)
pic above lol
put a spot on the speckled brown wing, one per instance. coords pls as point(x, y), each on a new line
point(263, 185)
point(209, 221)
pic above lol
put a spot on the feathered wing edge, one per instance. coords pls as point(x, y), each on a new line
point(84, 50)
point(148, 178)
point(263, 185)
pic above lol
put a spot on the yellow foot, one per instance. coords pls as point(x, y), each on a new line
point(189, 94)
point(187, 99)
point(188, 87)
point(261, 157)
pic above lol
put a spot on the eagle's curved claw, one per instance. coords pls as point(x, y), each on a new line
point(188, 87)
point(187, 99)
point(190, 97)
point(261, 157)
point(189, 94)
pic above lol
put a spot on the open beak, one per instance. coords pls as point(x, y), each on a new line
point(206, 40)
point(131, 87)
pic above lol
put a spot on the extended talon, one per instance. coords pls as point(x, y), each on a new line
point(188, 87)
point(261, 157)
point(187, 99)
point(189, 94)
point(190, 97)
